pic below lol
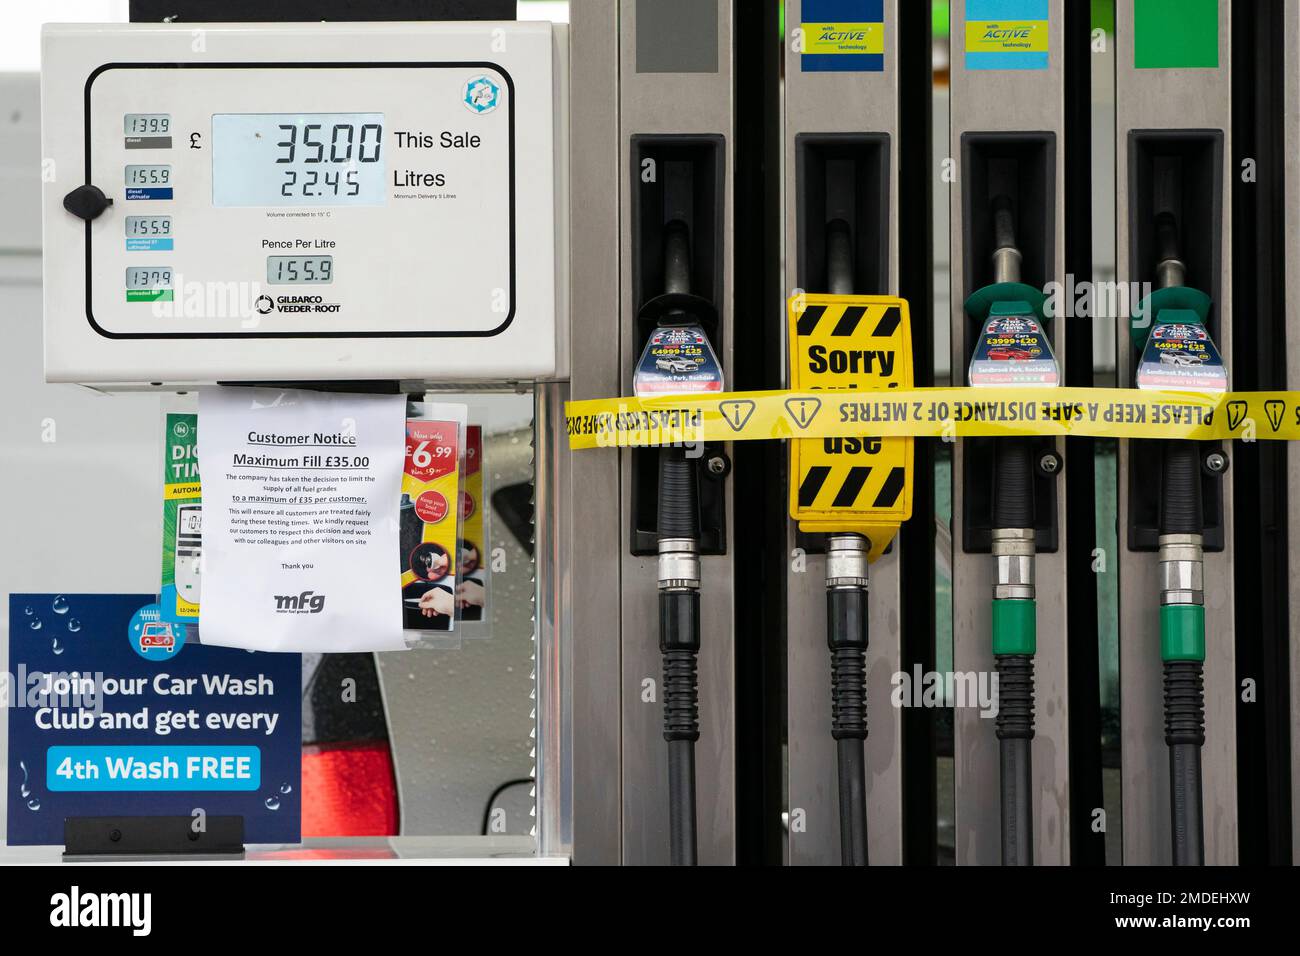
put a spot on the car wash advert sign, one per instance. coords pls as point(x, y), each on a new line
point(112, 712)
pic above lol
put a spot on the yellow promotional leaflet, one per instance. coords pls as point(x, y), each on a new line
point(429, 529)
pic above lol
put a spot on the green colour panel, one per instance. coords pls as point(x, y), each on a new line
point(1175, 34)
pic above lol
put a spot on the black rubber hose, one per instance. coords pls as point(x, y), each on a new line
point(682, 848)
point(846, 634)
point(679, 512)
point(1180, 499)
point(679, 643)
point(1185, 735)
point(1015, 729)
point(853, 794)
point(1013, 483)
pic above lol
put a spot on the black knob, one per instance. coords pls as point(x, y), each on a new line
point(86, 202)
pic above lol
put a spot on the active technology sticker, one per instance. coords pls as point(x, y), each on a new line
point(843, 36)
point(1006, 35)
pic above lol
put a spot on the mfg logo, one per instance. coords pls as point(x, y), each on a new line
point(308, 602)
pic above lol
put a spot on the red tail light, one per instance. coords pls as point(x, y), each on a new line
point(348, 790)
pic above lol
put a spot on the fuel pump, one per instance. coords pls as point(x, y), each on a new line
point(678, 359)
point(855, 491)
point(1012, 349)
point(1169, 332)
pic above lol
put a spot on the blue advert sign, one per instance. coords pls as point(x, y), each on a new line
point(113, 713)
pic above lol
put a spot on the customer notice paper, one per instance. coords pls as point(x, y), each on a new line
point(300, 537)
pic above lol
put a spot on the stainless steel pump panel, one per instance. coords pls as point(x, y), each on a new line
point(310, 201)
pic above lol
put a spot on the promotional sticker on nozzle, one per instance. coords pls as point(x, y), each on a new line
point(1181, 356)
point(677, 360)
point(1013, 350)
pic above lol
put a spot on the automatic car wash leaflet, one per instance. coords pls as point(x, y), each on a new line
point(431, 515)
point(300, 493)
point(182, 537)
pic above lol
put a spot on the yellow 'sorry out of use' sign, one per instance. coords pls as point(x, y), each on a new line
point(862, 483)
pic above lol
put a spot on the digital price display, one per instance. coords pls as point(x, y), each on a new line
point(293, 270)
point(149, 277)
point(141, 227)
point(147, 124)
point(148, 176)
point(298, 159)
point(149, 284)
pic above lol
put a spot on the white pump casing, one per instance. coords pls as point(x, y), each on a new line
point(443, 266)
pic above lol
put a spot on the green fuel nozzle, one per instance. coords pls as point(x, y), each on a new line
point(1012, 349)
point(1169, 330)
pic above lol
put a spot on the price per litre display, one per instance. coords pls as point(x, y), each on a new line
point(295, 270)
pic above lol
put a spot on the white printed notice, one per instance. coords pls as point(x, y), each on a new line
point(300, 538)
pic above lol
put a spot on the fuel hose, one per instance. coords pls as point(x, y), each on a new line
point(679, 594)
point(1014, 626)
point(846, 624)
point(1182, 603)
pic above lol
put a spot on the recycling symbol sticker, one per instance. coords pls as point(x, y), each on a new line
point(481, 95)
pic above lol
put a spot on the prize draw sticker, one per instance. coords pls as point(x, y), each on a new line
point(1006, 34)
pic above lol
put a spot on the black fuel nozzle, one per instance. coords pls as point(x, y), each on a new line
point(678, 527)
point(846, 622)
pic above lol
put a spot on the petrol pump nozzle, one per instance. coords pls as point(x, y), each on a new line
point(1012, 349)
point(677, 359)
point(1173, 325)
point(846, 622)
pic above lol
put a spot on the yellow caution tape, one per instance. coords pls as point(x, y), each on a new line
point(932, 413)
